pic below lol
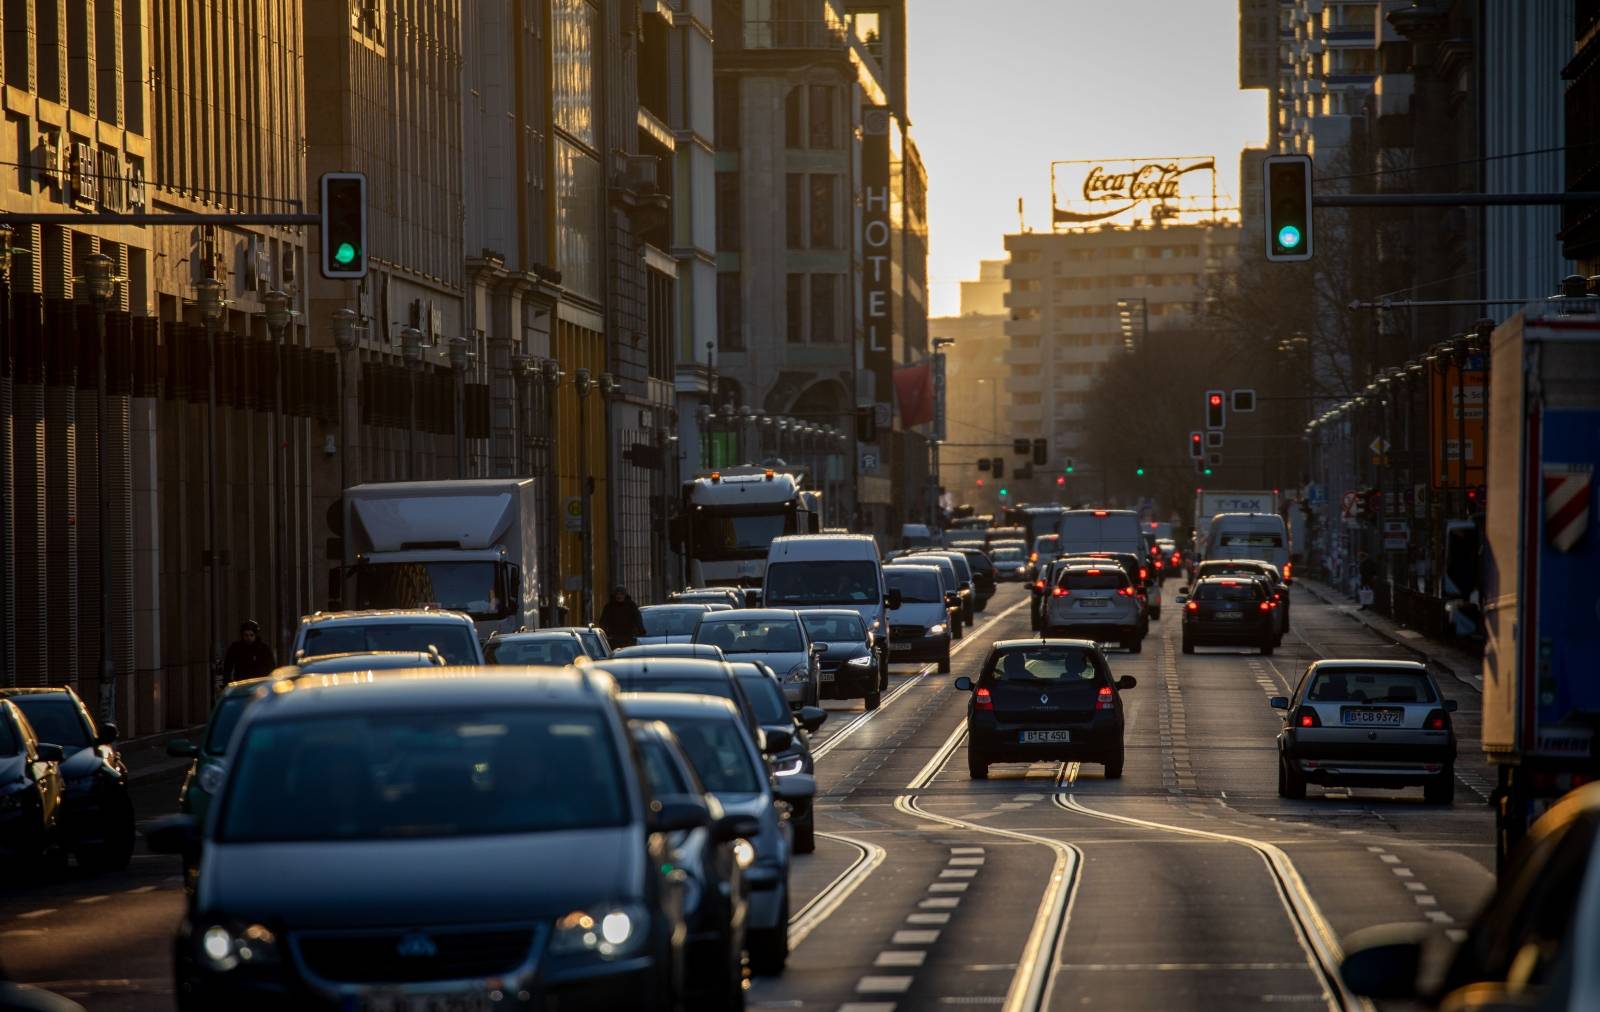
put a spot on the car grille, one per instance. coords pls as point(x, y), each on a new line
point(374, 958)
point(907, 632)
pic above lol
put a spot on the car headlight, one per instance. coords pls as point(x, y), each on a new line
point(610, 932)
point(788, 765)
point(860, 662)
point(937, 629)
point(221, 947)
point(798, 673)
point(744, 853)
point(210, 777)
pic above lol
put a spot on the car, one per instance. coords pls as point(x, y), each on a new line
point(983, 576)
point(1146, 586)
point(830, 571)
point(209, 756)
point(733, 597)
point(686, 675)
point(730, 765)
point(556, 647)
point(715, 900)
point(777, 638)
point(670, 623)
point(1094, 601)
point(1252, 567)
point(1171, 558)
point(1531, 946)
point(917, 536)
point(454, 834)
point(1045, 548)
point(1262, 536)
point(963, 579)
point(850, 668)
point(704, 651)
point(31, 790)
point(1367, 723)
point(1039, 591)
point(1098, 530)
point(765, 693)
point(592, 636)
point(373, 660)
point(452, 633)
point(95, 821)
point(998, 535)
point(1045, 699)
point(952, 586)
point(1010, 563)
point(1227, 611)
point(920, 629)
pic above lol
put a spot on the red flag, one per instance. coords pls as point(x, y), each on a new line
point(913, 388)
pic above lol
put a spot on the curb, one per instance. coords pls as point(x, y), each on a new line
point(1423, 655)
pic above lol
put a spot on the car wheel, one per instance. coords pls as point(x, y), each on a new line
point(1290, 783)
point(944, 661)
point(1188, 646)
point(977, 766)
point(769, 947)
point(1113, 764)
point(1442, 789)
point(873, 700)
point(805, 833)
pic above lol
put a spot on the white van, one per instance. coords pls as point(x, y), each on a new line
point(1260, 536)
point(830, 571)
point(1099, 531)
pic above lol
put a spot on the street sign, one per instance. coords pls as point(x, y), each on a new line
point(1396, 535)
point(572, 509)
point(1379, 446)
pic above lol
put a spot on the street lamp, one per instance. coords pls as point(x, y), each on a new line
point(210, 298)
point(411, 350)
point(279, 314)
point(99, 282)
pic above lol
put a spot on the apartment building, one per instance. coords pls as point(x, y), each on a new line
point(978, 388)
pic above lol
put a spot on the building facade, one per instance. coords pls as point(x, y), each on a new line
point(978, 389)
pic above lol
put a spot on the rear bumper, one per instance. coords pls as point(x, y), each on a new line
point(1228, 634)
point(1000, 741)
point(1350, 756)
point(1092, 630)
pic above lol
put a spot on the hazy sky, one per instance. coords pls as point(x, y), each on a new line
point(997, 95)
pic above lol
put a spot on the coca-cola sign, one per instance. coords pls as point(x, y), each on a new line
point(1171, 187)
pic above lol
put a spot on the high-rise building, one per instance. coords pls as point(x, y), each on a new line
point(978, 388)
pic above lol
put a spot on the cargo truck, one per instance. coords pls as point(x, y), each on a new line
point(1541, 676)
point(730, 517)
point(470, 546)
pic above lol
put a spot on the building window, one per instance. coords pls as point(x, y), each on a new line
point(825, 308)
point(729, 226)
point(794, 308)
point(823, 135)
point(822, 212)
point(575, 24)
point(794, 118)
point(730, 315)
point(726, 97)
point(578, 230)
point(794, 210)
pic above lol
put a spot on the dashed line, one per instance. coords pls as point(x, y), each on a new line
point(30, 915)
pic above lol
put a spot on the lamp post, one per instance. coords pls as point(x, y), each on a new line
point(746, 415)
point(523, 370)
point(8, 590)
point(100, 281)
point(582, 384)
point(209, 296)
point(279, 314)
point(411, 349)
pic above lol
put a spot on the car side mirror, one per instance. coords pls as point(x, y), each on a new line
point(1127, 682)
point(952, 598)
point(964, 684)
point(894, 599)
point(49, 753)
point(775, 740)
point(677, 815)
point(818, 649)
point(172, 834)
point(1449, 706)
point(1279, 702)
point(182, 748)
point(1382, 962)
point(734, 827)
point(812, 717)
point(1183, 597)
point(107, 735)
point(796, 787)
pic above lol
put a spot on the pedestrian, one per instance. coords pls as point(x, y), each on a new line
point(248, 656)
point(620, 619)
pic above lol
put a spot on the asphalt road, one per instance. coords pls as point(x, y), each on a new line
point(1186, 884)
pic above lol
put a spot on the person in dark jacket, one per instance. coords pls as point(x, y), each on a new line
point(621, 620)
point(248, 656)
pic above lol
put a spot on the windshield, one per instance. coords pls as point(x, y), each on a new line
point(553, 650)
point(55, 719)
point(752, 635)
point(831, 582)
point(223, 720)
point(1229, 592)
point(834, 628)
point(477, 588)
point(1008, 555)
point(718, 749)
point(456, 643)
point(1094, 579)
point(670, 621)
point(1342, 685)
point(979, 562)
point(441, 774)
point(766, 699)
point(1250, 539)
point(914, 587)
point(1066, 666)
point(726, 536)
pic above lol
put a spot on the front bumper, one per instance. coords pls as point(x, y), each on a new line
point(999, 740)
point(844, 681)
point(919, 648)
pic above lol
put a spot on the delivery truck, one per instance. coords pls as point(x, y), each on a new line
point(470, 546)
point(1208, 502)
point(1541, 679)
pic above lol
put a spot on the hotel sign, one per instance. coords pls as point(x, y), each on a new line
point(1155, 189)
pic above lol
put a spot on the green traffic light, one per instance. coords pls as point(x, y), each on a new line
point(1208, 472)
point(1005, 492)
point(344, 254)
point(1139, 471)
point(1289, 237)
point(1069, 468)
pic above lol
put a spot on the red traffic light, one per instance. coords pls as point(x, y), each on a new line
point(1216, 400)
point(1061, 479)
point(980, 482)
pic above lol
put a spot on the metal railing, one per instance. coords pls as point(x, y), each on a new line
point(806, 33)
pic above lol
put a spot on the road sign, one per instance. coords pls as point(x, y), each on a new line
point(1379, 446)
point(572, 509)
point(1396, 535)
point(1349, 502)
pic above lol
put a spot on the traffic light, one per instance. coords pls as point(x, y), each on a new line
point(1019, 446)
point(1244, 401)
point(1196, 445)
point(1061, 480)
point(344, 225)
point(1215, 409)
point(1288, 207)
point(999, 467)
point(983, 463)
point(1070, 465)
point(1138, 468)
point(1004, 493)
point(980, 482)
point(1041, 451)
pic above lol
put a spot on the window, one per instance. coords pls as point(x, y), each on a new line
point(825, 289)
point(729, 225)
point(726, 97)
point(575, 25)
point(794, 209)
point(794, 118)
point(794, 308)
point(823, 135)
point(578, 229)
point(730, 318)
point(822, 212)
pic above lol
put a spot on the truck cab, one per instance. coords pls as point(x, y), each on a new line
point(730, 518)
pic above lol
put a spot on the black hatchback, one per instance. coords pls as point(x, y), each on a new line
point(1045, 699)
point(1234, 612)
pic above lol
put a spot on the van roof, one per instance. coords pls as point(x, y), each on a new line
point(823, 546)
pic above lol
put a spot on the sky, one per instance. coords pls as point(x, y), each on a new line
point(996, 97)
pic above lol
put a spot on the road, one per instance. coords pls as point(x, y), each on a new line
point(1187, 884)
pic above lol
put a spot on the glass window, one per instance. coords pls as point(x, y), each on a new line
point(716, 746)
point(1065, 665)
point(730, 231)
point(1008, 555)
point(794, 308)
point(794, 210)
point(727, 112)
point(1094, 579)
point(730, 312)
point(751, 635)
point(798, 583)
point(793, 118)
point(1251, 539)
point(477, 588)
point(670, 621)
point(455, 643)
point(55, 719)
point(834, 628)
point(766, 698)
point(823, 135)
point(553, 650)
point(1240, 591)
point(575, 25)
point(914, 587)
point(578, 228)
point(416, 775)
point(824, 308)
point(823, 232)
point(660, 772)
point(722, 536)
point(223, 720)
point(1343, 685)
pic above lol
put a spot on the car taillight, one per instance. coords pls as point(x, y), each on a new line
point(1061, 592)
point(1033, 556)
point(981, 700)
point(1176, 558)
point(1266, 605)
point(1307, 718)
point(1158, 563)
point(1144, 573)
point(1125, 591)
point(1105, 701)
point(1436, 721)
point(1038, 585)
point(1277, 595)
point(1288, 568)
point(1191, 606)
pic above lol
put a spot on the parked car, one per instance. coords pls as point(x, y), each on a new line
point(1367, 723)
point(553, 648)
point(670, 623)
point(765, 693)
point(448, 830)
point(1045, 699)
point(1094, 601)
point(1225, 611)
point(95, 821)
point(703, 651)
point(30, 790)
point(921, 622)
point(451, 633)
point(777, 638)
point(730, 765)
point(850, 668)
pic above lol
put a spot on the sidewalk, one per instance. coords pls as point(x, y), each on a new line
point(1464, 667)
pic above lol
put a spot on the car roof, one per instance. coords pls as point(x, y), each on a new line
point(35, 690)
point(645, 667)
point(414, 688)
point(733, 614)
point(382, 616)
point(1052, 641)
point(677, 704)
point(753, 668)
point(676, 606)
point(380, 659)
point(1356, 662)
point(830, 612)
point(527, 635)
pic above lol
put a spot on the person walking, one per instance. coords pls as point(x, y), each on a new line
point(620, 619)
point(248, 656)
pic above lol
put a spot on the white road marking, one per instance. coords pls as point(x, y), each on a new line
point(883, 985)
point(833, 895)
point(958, 873)
point(900, 957)
point(927, 918)
point(30, 915)
point(94, 899)
point(949, 887)
point(915, 936)
point(867, 1006)
point(940, 902)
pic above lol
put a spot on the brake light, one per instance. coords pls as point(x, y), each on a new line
point(1105, 701)
point(1307, 718)
point(1033, 556)
point(1144, 574)
point(1061, 592)
point(1277, 595)
point(981, 700)
point(1436, 721)
point(1158, 564)
point(1266, 605)
point(1177, 557)
point(1094, 572)
point(1099, 513)
point(1288, 568)
point(1191, 606)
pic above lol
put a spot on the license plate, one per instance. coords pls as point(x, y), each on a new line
point(899, 646)
point(1229, 616)
point(1032, 737)
point(826, 676)
point(1093, 604)
point(1373, 716)
point(401, 1001)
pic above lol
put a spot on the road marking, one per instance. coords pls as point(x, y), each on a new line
point(927, 918)
point(1439, 917)
point(900, 957)
point(22, 933)
point(958, 861)
point(824, 903)
point(940, 902)
point(915, 936)
point(967, 850)
point(949, 887)
point(137, 890)
point(1402, 872)
point(958, 873)
point(30, 915)
point(883, 985)
point(94, 899)
point(1181, 967)
point(867, 1006)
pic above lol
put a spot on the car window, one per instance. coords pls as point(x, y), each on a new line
point(914, 587)
point(830, 582)
point(223, 720)
point(716, 746)
point(1064, 665)
point(1008, 555)
point(718, 687)
point(752, 635)
point(55, 719)
point(979, 562)
point(457, 772)
point(670, 621)
point(766, 698)
point(1344, 685)
point(834, 628)
point(456, 643)
point(10, 744)
point(1094, 579)
point(1241, 591)
point(660, 772)
point(540, 651)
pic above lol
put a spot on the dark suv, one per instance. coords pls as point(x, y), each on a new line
point(1229, 612)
